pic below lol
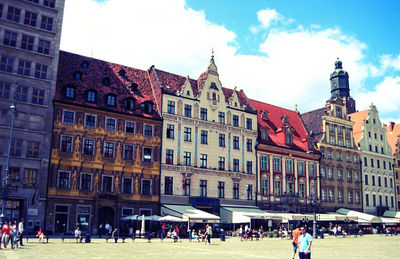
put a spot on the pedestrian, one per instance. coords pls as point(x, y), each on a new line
point(100, 230)
point(21, 231)
point(14, 239)
point(241, 232)
point(208, 234)
point(295, 234)
point(163, 232)
point(78, 235)
point(115, 235)
point(107, 230)
point(305, 241)
point(5, 235)
point(177, 233)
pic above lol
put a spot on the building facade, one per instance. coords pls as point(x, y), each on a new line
point(377, 162)
point(393, 136)
point(340, 159)
point(208, 154)
point(29, 45)
point(287, 174)
point(105, 153)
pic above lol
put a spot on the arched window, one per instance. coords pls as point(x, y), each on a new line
point(110, 100)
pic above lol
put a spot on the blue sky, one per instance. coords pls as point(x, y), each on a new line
point(281, 52)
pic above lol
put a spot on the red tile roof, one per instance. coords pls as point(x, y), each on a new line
point(92, 77)
point(358, 118)
point(392, 133)
point(274, 124)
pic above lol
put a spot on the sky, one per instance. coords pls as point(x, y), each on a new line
point(278, 51)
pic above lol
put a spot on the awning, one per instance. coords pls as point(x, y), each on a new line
point(392, 214)
point(336, 217)
point(243, 214)
point(138, 217)
point(286, 217)
point(362, 217)
point(390, 221)
point(187, 212)
point(170, 218)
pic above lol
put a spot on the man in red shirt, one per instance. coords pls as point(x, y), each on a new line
point(295, 234)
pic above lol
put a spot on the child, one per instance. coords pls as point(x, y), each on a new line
point(40, 235)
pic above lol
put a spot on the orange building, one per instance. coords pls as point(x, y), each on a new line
point(393, 136)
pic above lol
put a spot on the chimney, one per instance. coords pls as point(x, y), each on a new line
point(391, 125)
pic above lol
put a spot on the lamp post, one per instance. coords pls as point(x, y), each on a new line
point(5, 185)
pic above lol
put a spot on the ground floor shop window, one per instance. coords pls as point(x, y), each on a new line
point(61, 218)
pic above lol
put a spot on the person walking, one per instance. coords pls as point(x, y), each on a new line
point(208, 234)
point(115, 235)
point(5, 235)
point(163, 232)
point(14, 231)
point(21, 231)
point(296, 234)
point(305, 241)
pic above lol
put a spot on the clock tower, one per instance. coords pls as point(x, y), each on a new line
point(340, 87)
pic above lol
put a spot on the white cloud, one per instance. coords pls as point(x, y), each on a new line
point(294, 68)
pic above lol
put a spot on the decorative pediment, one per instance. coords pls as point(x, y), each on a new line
point(186, 89)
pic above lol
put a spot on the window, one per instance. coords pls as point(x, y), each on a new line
point(330, 173)
point(264, 162)
point(332, 140)
point(378, 163)
point(366, 199)
point(379, 181)
point(221, 163)
point(4, 90)
point(249, 124)
point(340, 142)
point(20, 120)
point(289, 166)
point(30, 18)
point(323, 173)
point(188, 110)
point(370, 148)
point(221, 189)
point(13, 14)
point(90, 120)
point(63, 180)
point(249, 192)
point(30, 178)
point(374, 200)
point(10, 38)
point(148, 130)
point(339, 112)
point(331, 195)
point(41, 71)
point(312, 170)
point(264, 134)
point(221, 117)
point(107, 183)
point(147, 154)
point(128, 152)
point(171, 107)
point(385, 182)
point(37, 96)
point(70, 92)
point(203, 188)
point(108, 149)
point(68, 117)
point(235, 120)
point(21, 94)
point(170, 131)
point(148, 108)
point(302, 189)
point(249, 167)
point(277, 187)
point(47, 23)
point(372, 162)
point(43, 47)
point(187, 134)
point(340, 174)
point(203, 160)
point(391, 183)
point(289, 138)
point(340, 196)
point(3, 119)
point(35, 122)
point(329, 154)
point(350, 196)
point(384, 164)
point(221, 140)
point(348, 157)
point(187, 187)
point(331, 128)
point(88, 147)
point(235, 142)
point(110, 100)
point(66, 144)
point(32, 149)
point(249, 145)
point(169, 156)
point(277, 164)
point(203, 114)
point(49, 3)
point(6, 64)
point(323, 195)
point(110, 124)
point(187, 158)
point(130, 127)
point(349, 176)
point(91, 96)
point(264, 187)
point(168, 185)
point(86, 182)
point(204, 137)
point(366, 179)
point(236, 165)
point(373, 180)
point(235, 190)
point(27, 42)
point(356, 177)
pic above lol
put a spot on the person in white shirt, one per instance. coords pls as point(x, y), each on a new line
point(21, 231)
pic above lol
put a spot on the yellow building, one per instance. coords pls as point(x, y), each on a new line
point(393, 136)
point(105, 147)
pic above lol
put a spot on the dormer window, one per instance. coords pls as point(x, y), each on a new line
point(91, 96)
point(235, 104)
point(133, 87)
point(121, 72)
point(70, 92)
point(130, 104)
point(85, 65)
point(110, 100)
point(188, 93)
point(289, 138)
point(213, 86)
point(339, 112)
point(106, 81)
point(264, 115)
point(285, 120)
point(264, 134)
point(78, 76)
point(214, 96)
point(148, 107)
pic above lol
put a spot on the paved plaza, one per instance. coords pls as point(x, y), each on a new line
point(376, 246)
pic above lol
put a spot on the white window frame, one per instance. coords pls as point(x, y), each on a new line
point(152, 155)
point(112, 182)
point(152, 129)
point(72, 143)
point(127, 208)
point(133, 152)
point(131, 185)
point(65, 110)
point(134, 127)
point(115, 123)
point(77, 213)
point(95, 120)
point(91, 182)
point(58, 179)
point(151, 185)
point(94, 146)
point(104, 149)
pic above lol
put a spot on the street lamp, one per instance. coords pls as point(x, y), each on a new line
point(5, 184)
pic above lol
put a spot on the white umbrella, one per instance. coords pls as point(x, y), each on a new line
point(143, 226)
point(170, 218)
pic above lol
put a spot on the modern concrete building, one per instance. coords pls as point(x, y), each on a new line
point(105, 154)
point(29, 45)
point(340, 158)
point(287, 175)
point(208, 151)
point(377, 162)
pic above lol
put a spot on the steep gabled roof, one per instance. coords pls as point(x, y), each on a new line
point(392, 134)
point(125, 82)
point(313, 122)
point(358, 118)
point(274, 125)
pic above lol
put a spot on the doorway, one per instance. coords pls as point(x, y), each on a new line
point(106, 214)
